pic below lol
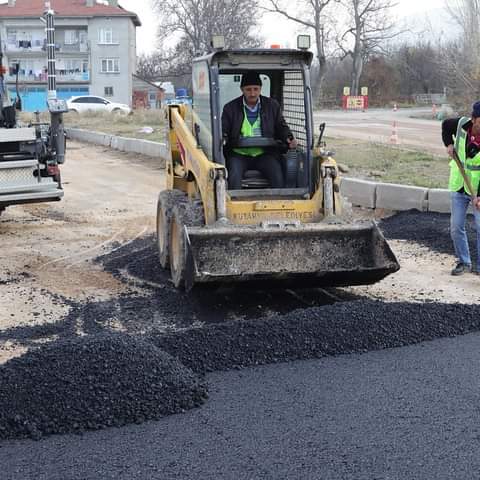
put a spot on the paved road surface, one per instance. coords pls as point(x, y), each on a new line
point(399, 414)
point(377, 125)
point(410, 413)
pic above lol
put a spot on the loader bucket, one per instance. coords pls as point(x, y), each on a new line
point(308, 254)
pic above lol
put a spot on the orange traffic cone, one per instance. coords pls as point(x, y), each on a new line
point(394, 137)
point(434, 111)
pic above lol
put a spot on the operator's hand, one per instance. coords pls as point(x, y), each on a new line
point(292, 142)
point(450, 149)
point(476, 203)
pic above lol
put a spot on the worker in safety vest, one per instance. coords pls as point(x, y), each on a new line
point(463, 135)
point(253, 115)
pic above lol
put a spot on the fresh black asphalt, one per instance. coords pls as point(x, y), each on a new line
point(254, 425)
point(397, 414)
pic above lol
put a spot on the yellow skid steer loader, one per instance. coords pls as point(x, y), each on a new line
point(208, 233)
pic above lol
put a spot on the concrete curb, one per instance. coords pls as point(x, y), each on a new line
point(362, 193)
point(124, 144)
point(391, 196)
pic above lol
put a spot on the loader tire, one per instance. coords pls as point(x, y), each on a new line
point(184, 214)
point(165, 204)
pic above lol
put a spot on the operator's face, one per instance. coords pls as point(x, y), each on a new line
point(251, 93)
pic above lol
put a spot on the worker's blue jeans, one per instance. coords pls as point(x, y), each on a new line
point(459, 206)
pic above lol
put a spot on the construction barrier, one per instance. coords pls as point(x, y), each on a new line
point(359, 102)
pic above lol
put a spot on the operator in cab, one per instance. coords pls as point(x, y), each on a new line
point(253, 115)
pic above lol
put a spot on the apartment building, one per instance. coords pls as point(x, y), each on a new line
point(95, 48)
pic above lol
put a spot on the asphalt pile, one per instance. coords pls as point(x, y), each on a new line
point(109, 379)
point(139, 258)
point(432, 230)
point(349, 327)
point(94, 382)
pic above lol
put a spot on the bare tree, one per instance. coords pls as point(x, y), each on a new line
point(466, 13)
point(466, 61)
point(196, 21)
point(369, 28)
point(151, 66)
point(314, 17)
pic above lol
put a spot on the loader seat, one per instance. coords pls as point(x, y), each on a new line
point(254, 179)
point(293, 174)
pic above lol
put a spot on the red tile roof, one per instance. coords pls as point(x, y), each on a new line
point(65, 8)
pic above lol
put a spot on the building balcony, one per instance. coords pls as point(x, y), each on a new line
point(30, 49)
point(75, 77)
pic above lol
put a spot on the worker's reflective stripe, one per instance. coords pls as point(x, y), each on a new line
point(471, 165)
point(249, 130)
point(461, 133)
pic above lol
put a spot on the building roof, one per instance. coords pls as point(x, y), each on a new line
point(65, 8)
point(138, 77)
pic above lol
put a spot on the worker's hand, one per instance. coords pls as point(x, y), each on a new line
point(476, 203)
point(292, 142)
point(450, 149)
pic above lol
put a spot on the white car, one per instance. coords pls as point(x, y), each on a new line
point(89, 102)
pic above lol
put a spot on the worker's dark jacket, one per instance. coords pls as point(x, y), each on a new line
point(449, 130)
point(272, 122)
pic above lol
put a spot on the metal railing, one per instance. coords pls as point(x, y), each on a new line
point(42, 78)
point(59, 48)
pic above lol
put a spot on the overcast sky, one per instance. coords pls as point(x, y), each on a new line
point(273, 28)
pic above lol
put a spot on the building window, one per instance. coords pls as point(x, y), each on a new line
point(71, 37)
point(12, 37)
point(105, 35)
point(108, 91)
point(110, 65)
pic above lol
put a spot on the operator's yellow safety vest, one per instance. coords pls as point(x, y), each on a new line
point(471, 165)
point(249, 130)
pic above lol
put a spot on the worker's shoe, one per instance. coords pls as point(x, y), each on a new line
point(461, 268)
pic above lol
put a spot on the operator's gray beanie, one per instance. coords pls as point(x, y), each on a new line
point(251, 78)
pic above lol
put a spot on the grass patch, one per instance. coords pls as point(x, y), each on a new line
point(367, 160)
point(390, 163)
point(114, 124)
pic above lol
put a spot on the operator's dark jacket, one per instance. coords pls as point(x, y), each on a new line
point(272, 122)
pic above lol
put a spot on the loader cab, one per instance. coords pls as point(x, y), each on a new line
point(285, 77)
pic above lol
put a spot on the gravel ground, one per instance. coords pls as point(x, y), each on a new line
point(93, 382)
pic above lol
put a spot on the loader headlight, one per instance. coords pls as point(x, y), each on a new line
point(303, 42)
point(218, 42)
